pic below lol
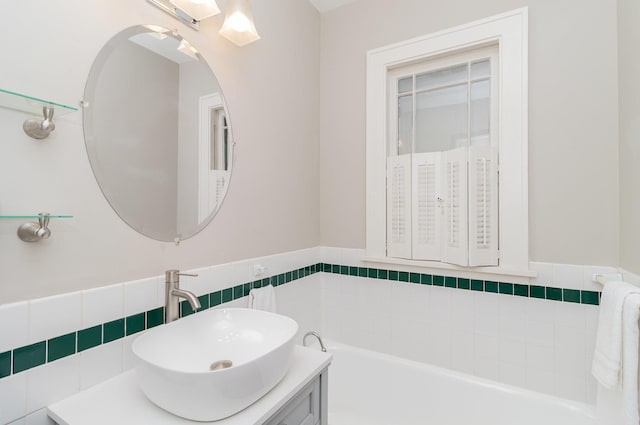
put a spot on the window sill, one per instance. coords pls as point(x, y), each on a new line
point(516, 274)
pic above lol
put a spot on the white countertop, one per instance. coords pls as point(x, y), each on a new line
point(120, 401)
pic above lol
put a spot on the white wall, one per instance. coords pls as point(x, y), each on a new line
point(272, 204)
point(628, 71)
point(573, 204)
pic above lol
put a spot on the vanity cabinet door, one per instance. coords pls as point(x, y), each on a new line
point(304, 408)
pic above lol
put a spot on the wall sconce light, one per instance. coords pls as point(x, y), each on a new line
point(197, 9)
point(238, 23)
point(191, 12)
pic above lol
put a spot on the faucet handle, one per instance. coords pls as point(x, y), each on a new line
point(172, 276)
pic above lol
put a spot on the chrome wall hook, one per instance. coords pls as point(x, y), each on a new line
point(40, 129)
point(34, 232)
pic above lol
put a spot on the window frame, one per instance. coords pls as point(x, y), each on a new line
point(510, 32)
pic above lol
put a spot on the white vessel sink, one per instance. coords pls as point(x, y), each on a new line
point(174, 361)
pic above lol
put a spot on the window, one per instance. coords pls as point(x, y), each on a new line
point(215, 154)
point(442, 175)
point(447, 183)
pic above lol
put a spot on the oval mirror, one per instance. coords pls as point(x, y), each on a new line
point(157, 132)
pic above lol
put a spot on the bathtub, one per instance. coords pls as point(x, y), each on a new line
point(370, 388)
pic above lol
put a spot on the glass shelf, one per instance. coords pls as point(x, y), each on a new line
point(33, 105)
point(32, 216)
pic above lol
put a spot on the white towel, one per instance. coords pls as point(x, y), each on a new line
point(607, 358)
point(263, 299)
point(615, 360)
point(630, 340)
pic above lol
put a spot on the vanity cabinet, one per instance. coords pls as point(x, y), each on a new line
point(307, 407)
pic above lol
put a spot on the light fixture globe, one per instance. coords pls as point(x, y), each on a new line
point(197, 9)
point(238, 24)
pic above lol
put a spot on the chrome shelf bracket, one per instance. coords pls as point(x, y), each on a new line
point(35, 231)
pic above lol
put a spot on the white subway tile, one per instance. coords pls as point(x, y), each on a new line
point(512, 317)
point(463, 350)
point(13, 397)
point(378, 338)
point(14, 325)
point(301, 300)
point(141, 295)
point(100, 363)
point(540, 332)
point(54, 316)
point(462, 310)
point(302, 258)
point(441, 346)
point(570, 349)
point(409, 303)
point(539, 310)
point(205, 283)
point(544, 274)
point(487, 367)
point(487, 346)
point(541, 380)
point(409, 342)
point(568, 276)
point(513, 374)
point(52, 382)
point(351, 257)
point(513, 351)
point(440, 305)
point(540, 356)
point(571, 314)
point(571, 384)
point(101, 305)
point(128, 360)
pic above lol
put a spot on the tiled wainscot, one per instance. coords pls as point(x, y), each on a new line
point(538, 335)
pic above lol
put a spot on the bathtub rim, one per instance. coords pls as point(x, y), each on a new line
point(587, 409)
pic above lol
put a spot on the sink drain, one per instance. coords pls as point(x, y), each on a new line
point(221, 364)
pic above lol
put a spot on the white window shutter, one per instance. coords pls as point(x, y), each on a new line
point(455, 243)
point(218, 181)
point(426, 209)
point(399, 206)
point(483, 207)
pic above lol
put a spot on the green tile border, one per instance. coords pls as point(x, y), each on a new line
point(5, 364)
point(24, 358)
point(29, 356)
point(89, 338)
point(155, 317)
point(135, 324)
point(61, 346)
point(113, 330)
point(502, 288)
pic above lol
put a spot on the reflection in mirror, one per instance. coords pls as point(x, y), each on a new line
point(157, 133)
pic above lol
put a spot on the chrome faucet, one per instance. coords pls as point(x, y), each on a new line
point(173, 294)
